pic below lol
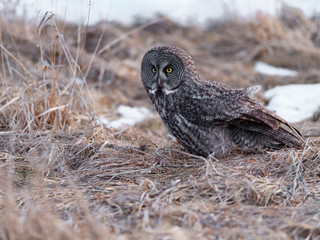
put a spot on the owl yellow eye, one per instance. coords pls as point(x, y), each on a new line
point(169, 70)
point(154, 70)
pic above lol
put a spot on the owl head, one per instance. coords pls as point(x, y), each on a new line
point(163, 69)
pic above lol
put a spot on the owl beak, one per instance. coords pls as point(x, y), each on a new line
point(160, 83)
point(161, 80)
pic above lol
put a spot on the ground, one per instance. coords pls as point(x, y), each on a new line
point(66, 176)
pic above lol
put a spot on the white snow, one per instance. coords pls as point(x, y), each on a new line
point(77, 81)
point(128, 116)
point(295, 102)
point(264, 68)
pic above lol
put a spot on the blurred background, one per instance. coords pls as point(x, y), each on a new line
point(183, 11)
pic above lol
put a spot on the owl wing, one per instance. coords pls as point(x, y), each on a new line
point(227, 108)
point(237, 110)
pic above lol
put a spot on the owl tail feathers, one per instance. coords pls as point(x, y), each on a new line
point(256, 135)
point(284, 138)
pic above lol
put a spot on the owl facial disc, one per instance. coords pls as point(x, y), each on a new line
point(161, 72)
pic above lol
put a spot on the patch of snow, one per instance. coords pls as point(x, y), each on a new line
point(128, 116)
point(264, 68)
point(77, 81)
point(295, 102)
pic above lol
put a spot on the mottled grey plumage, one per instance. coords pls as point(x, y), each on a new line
point(207, 117)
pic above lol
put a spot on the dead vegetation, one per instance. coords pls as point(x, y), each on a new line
point(65, 176)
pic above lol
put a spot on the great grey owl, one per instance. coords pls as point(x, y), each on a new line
point(206, 117)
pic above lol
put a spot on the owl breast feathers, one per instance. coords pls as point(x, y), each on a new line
point(205, 116)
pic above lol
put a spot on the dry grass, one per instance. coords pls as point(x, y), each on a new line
point(65, 176)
